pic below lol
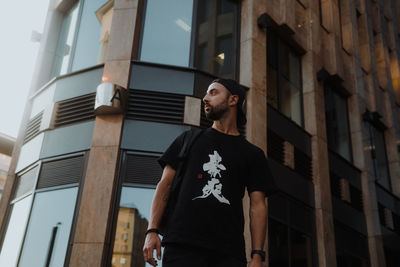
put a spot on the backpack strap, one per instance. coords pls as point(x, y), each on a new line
point(188, 140)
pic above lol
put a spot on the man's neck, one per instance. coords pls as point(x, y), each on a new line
point(226, 127)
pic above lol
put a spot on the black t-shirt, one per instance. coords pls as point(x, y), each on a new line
point(209, 210)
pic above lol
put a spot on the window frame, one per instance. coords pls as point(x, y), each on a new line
point(334, 90)
point(281, 39)
point(193, 39)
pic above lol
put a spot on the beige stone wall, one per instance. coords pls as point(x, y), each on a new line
point(357, 41)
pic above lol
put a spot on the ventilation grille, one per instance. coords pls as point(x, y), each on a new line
point(356, 198)
point(303, 164)
point(61, 172)
point(33, 127)
point(155, 106)
point(142, 170)
point(75, 110)
point(25, 183)
point(275, 147)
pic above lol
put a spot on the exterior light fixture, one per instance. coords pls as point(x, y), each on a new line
point(110, 99)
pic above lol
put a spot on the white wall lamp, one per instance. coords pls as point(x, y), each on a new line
point(110, 99)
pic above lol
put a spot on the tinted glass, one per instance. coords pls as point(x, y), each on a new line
point(216, 37)
point(92, 35)
point(381, 159)
point(337, 123)
point(15, 232)
point(65, 42)
point(278, 244)
point(51, 217)
point(284, 78)
point(301, 249)
point(132, 222)
point(167, 32)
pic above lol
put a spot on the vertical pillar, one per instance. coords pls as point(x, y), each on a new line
point(91, 243)
point(253, 74)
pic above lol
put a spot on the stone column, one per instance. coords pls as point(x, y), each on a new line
point(92, 234)
point(253, 75)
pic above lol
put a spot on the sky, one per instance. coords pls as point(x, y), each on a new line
point(17, 58)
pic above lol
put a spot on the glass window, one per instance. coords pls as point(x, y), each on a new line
point(284, 91)
point(382, 168)
point(337, 123)
point(65, 42)
point(49, 228)
point(15, 232)
point(84, 34)
point(216, 37)
point(132, 222)
point(167, 32)
point(290, 231)
point(92, 36)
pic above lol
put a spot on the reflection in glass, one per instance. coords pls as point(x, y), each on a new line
point(132, 222)
point(283, 78)
point(52, 210)
point(337, 123)
point(381, 158)
point(92, 37)
point(167, 32)
point(65, 42)
point(216, 37)
point(15, 232)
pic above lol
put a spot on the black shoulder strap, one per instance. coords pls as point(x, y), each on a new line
point(188, 141)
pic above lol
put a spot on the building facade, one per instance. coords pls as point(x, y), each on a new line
point(323, 80)
point(6, 148)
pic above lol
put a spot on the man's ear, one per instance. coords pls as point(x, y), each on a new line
point(233, 100)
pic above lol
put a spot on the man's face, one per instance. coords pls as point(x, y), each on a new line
point(216, 101)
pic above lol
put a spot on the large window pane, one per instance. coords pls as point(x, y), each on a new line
point(278, 244)
point(65, 42)
point(337, 123)
point(216, 37)
point(383, 177)
point(132, 222)
point(92, 38)
point(284, 78)
point(301, 249)
point(167, 32)
point(51, 217)
point(15, 232)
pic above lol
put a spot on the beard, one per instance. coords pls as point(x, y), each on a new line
point(215, 113)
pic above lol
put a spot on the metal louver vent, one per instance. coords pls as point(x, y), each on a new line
point(303, 164)
point(61, 172)
point(356, 198)
point(75, 109)
point(33, 127)
point(25, 183)
point(275, 146)
point(155, 106)
point(142, 170)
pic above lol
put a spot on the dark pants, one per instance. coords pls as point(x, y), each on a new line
point(186, 256)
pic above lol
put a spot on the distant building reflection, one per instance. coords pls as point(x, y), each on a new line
point(129, 238)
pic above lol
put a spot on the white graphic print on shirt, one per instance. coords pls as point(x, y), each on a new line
point(214, 186)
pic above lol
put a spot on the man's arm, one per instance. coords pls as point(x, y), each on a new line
point(152, 241)
point(258, 224)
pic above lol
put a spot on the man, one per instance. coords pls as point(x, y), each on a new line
point(206, 227)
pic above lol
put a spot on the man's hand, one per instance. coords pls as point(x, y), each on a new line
point(151, 243)
point(256, 261)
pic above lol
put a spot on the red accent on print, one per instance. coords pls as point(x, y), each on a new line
point(200, 176)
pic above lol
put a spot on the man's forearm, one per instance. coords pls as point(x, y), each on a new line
point(258, 224)
point(159, 203)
